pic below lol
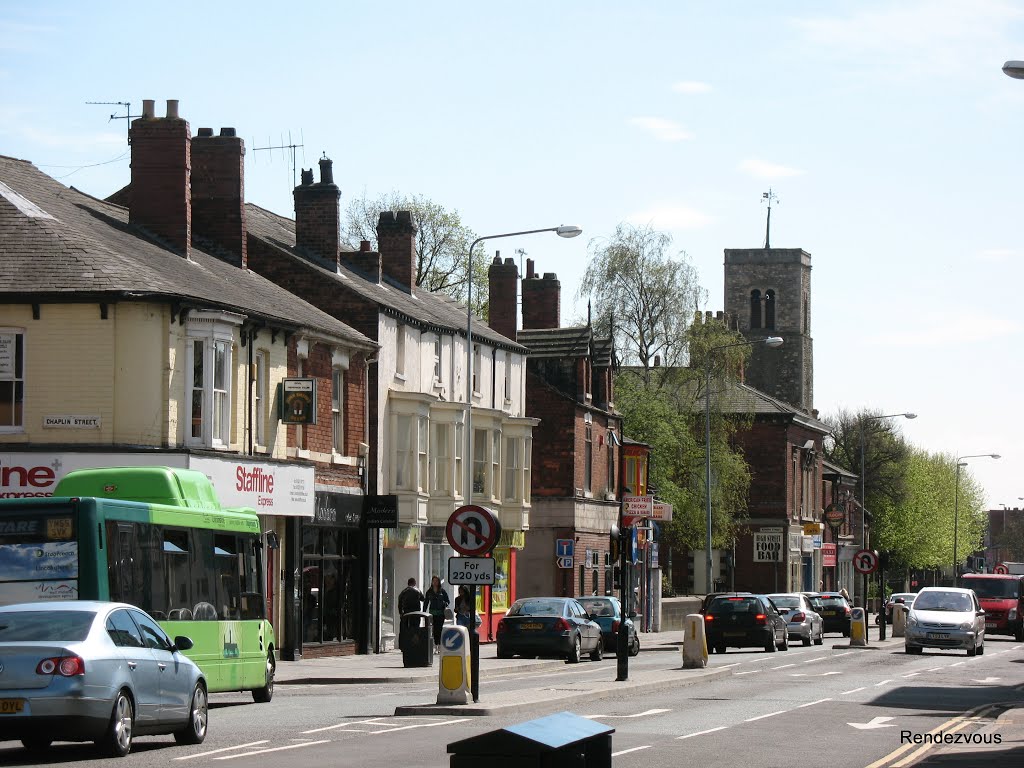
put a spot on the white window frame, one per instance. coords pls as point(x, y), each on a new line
point(477, 357)
point(438, 369)
point(512, 468)
point(260, 399)
point(208, 333)
point(481, 442)
point(527, 457)
point(338, 410)
point(588, 458)
point(9, 373)
point(423, 453)
point(440, 458)
point(495, 451)
point(403, 479)
point(508, 377)
point(400, 350)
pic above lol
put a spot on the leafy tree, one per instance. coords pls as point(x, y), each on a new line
point(885, 454)
point(1011, 539)
point(442, 243)
point(645, 296)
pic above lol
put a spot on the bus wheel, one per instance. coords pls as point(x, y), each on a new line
point(266, 693)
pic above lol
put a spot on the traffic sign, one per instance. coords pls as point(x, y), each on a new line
point(451, 640)
point(865, 561)
point(565, 547)
point(472, 530)
point(564, 562)
point(470, 570)
point(1001, 568)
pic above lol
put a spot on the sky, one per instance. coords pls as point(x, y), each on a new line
point(887, 130)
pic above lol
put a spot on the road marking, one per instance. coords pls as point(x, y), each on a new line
point(275, 749)
point(784, 666)
point(701, 733)
point(811, 661)
point(420, 725)
point(845, 653)
point(812, 703)
point(988, 680)
point(882, 683)
point(944, 728)
point(804, 674)
point(855, 690)
point(225, 749)
point(912, 674)
point(626, 751)
point(748, 672)
point(876, 722)
point(958, 664)
point(729, 666)
point(638, 714)
point(762, 717)
point(371, 721)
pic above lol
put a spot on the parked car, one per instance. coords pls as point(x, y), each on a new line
point(607, 612)
point(945, 617)
point(557, 626)
point(1002, 597)
point(745, 621)
point(804, 622)
point(896, 598)
point(83, 670)
point(834, 610)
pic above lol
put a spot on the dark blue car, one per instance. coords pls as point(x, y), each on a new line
point(607, 611)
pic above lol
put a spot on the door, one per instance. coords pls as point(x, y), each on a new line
point(142, 667)
point(175, 677)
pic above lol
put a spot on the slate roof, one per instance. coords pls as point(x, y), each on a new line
point(57, 242)
point(571, 342)
point(432, 311)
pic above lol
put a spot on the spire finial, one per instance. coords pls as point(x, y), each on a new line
point(769, 196)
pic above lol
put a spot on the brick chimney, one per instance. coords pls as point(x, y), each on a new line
point(218, 193)
point(503, 285)
point(365, 260)
point(541, 299)
point(161, 164)
point(396, 240)
point(317, 223)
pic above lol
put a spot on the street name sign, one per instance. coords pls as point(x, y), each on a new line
point(471, 570)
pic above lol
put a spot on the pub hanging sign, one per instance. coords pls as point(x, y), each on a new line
point(297, 401)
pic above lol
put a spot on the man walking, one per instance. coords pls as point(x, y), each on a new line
point(409, 599)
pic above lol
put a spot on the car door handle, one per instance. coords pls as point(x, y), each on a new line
point(161, 665)
point(132, 665)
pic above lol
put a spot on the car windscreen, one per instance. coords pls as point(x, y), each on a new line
point(45, 626)
point(784, 603)
point(537, 608)
point(830, 601)
point(1002, 589)
point(943, 601)
point(598, 607)
point(725, 605)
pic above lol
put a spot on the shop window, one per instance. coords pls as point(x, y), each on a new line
point(328, 580)
point(12, 380)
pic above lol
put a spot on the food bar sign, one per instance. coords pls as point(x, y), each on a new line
point(767, 547)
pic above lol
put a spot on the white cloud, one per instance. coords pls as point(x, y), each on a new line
point(691, 86)
point(762, 169)
point(661, 129)
point(670, 216)
point(947, 331)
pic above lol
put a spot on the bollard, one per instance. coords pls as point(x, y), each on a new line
point(858, 628)
point(899, 620)
point(454, 680)
point(695, 643)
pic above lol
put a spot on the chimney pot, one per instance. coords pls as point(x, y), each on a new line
point(326, 170)
point(205, 132)
point(364, 246)
point(228, 132)
point(172, 109)
point(509, 261)
point(530, 274)
point(149, 108)
point(307, 177)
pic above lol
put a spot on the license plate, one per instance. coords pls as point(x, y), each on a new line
point(938, 636)
point(990, 625)
point(532, 625)
point(828, 613)
point(11, 706)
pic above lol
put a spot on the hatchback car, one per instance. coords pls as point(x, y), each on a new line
point(81, 670)
point(607, 612)
point(834, 610)
point(556, 626)
point(804, 623)
point(745, 621)
point(945, 617)
point(903, 599)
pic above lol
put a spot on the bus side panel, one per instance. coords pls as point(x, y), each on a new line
point(232, 654)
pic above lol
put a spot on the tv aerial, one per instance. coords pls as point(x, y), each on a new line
point(126, 116)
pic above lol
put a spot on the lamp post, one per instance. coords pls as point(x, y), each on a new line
point(771, 341)
point(956, 502)
point(467, 465)
point(1014, 69)
point(863, 498)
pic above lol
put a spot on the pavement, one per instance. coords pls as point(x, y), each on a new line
point(1003, 719)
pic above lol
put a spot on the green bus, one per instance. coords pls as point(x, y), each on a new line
point(157, 538)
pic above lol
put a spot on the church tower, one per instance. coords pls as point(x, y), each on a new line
point(768, 291)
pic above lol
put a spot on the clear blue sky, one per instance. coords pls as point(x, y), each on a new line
point(886, 129)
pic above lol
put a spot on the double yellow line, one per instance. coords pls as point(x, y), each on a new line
point(958, 723)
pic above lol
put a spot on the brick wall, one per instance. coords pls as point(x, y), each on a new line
point(317, 224)
point(396, 241)
point(218, 193)
point(503, 292)
point(160, 178)
point(541, 301)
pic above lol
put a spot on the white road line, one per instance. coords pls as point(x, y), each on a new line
point(421, 725)
point(855, 690)
point(958, 664)
point(748, 672)
point(811, 661)
point(275, 749)
point(626, 751)
point(638, 714)
point(912, 674)
point(812, 703)
point(882, 683)
point(225, 749)
point(373, 721)
point(784, 666)
point(762, 717)
point(729, 666)
point(845, 653)
point(701, 733)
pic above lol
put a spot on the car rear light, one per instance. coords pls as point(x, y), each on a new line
point(615, 626)
point(66, 666)
point(798, 617)
point(561, 625)
point(502, 627)
point(708, 617)
point(847, 609)
point(760, 619)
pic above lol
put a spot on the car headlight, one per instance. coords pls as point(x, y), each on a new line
point(966, 625)
point(911, 620)
point(1012, 614)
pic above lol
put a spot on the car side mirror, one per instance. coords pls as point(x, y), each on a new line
point(182, 643)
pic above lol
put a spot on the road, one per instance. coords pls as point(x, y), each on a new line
point(817, 706)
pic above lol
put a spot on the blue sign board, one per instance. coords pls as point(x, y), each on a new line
point(564, 547)
point(451, 639)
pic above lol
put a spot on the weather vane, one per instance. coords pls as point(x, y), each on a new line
point(769, 196)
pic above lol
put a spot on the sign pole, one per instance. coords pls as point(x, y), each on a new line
point(622, 640)
point(474, 647)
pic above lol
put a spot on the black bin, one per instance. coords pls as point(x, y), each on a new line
point(563, 740)
point(417, 639)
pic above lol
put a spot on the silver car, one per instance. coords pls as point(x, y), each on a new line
point(803, 622)
point(945, 617)
point(82, 670)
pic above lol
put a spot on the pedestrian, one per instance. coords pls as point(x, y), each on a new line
point(845, 594)
point(409, 599)
point(463, 607)
point(435, 601)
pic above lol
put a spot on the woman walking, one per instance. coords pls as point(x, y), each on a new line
point(434, 602)
point(463, 607)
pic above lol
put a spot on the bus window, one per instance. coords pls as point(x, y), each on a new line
point(176, 568)
point(227, 563)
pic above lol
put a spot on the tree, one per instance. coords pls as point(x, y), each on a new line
point(442, 243)
point(644, 296)
point(1011, 539)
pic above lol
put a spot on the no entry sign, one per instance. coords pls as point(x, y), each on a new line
point(865, 561)
point(473, 530)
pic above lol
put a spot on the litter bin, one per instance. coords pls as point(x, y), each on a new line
point(563, 739)
point(417, 640)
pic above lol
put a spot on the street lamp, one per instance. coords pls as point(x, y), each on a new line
point(863, 499)
point(771, 341)
point(956, 500)
point(1014, 69)
point(467, 462)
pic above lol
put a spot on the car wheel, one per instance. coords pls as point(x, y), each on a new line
point(117, 739)
point(576, 652)
point(36, 743)
point(198, 718)
point(913, 649)
point(266, 693)
point(972, 651)
point(807, 640)
point(634, 647)
point(785, 643)
point(1019, 635)
point(820, 638)
point(770, 645)
point(720, 649)
point(504, 654)
point(846, 633)
point(981, 648)
point(598, 653)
